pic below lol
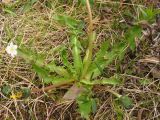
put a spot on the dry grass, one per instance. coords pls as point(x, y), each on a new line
point(38, 31)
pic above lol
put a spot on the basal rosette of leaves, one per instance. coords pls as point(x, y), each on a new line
point(85, 68)
point(76, 72)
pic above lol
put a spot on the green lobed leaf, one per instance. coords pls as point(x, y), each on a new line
point(6, 89)
point(114, 80)
point(110, 81)
point(87, 61)
point(118, 110)
point(100, 55)
point(44, 74)
point(57, 49)
point(132, 33)
point(85, 105)
point(31, 56)
point(57, 69)
point(39, 67)
point(126, 102)
point(65, 61)
point(26, 92)
point(85, 108)
point(96, 69)
point(66, 20)
point(102, 51)
point(56, 80)
point(94, 105)
point(76, 54)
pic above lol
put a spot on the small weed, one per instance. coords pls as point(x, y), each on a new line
point(81, 63)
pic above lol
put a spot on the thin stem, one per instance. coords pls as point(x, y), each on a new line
point(91, 37)
point(90, 28)
point(114, 93)
point(51, 87)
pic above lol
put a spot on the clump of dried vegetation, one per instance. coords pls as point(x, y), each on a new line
point(80, 59)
